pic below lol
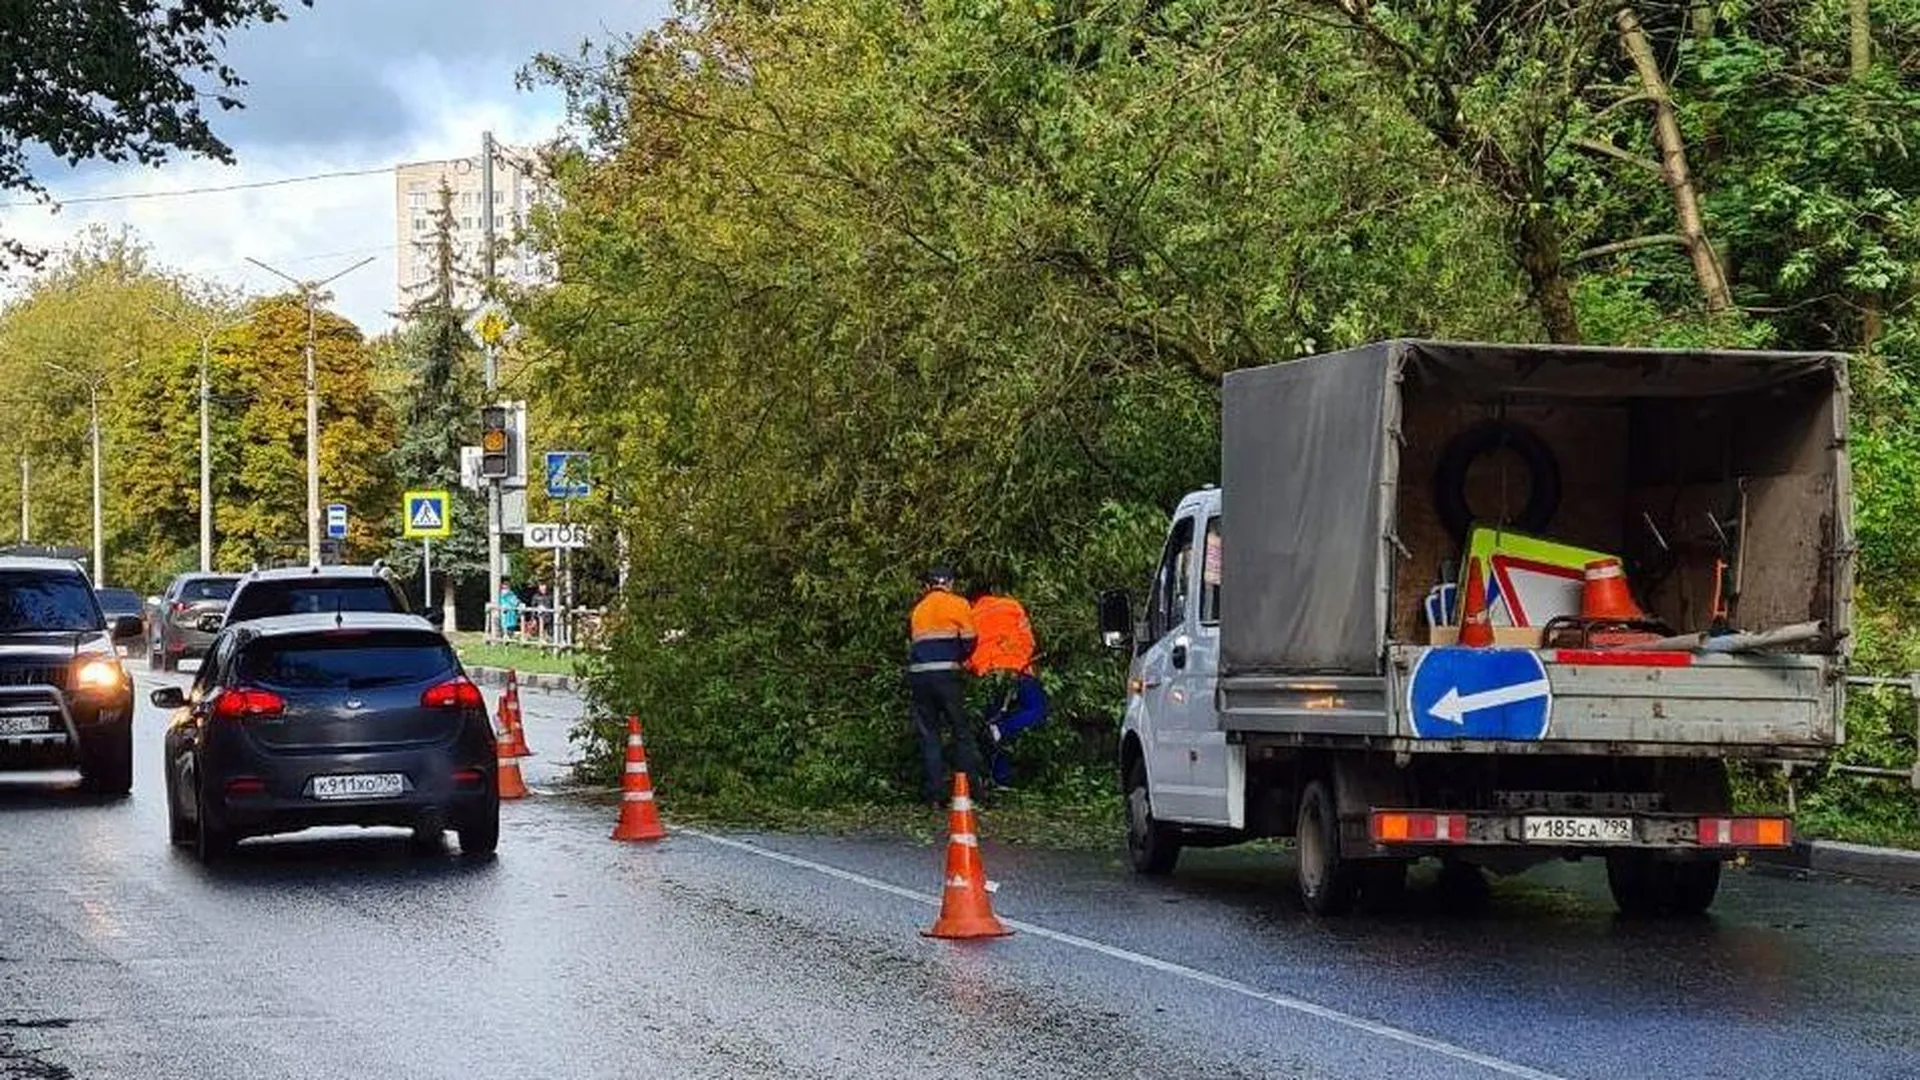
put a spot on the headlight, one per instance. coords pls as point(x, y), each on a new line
point(100, 675)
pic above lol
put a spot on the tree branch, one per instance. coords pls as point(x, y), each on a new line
point(1635, 244)
point(1607, 149)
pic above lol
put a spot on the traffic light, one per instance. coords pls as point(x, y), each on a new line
point(496, 458)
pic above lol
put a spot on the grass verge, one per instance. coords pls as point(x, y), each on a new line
point(475, 652)
point(1007, 817)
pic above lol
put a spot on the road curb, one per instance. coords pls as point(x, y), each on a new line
point(530, 680)
point(1892, 866)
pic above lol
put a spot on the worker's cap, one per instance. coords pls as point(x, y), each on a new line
point(937, 575)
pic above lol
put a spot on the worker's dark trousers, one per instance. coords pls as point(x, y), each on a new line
point(939, 704)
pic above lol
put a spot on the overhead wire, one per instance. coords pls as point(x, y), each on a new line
point(209, 189)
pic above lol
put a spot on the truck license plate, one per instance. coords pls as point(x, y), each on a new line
point(1578, 830)
point(25, 725)
point(358, 786)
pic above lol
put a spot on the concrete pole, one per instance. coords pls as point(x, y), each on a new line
point(494, 567)
point(99, 534)
point(206, 461)
point(26, 484)
point(313, 445)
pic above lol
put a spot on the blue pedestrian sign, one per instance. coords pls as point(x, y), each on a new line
point(336, 521)
point(424, 515)
point(1461, 693)
point(567, 475)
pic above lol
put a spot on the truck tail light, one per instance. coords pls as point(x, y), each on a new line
point(246, 703)
point(1745, 832)
point(1416, 827)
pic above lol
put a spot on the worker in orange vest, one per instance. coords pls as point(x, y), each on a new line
point(1003, 654)
point(942, 637)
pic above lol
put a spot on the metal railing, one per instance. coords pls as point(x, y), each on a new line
point(555, 628)
point(1911, 683)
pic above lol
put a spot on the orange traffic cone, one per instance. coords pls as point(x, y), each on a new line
point(516, 724)
point(511, 784)
point(1476, 625)
point(1606, 596)
point(639, 817)
point(965, 910)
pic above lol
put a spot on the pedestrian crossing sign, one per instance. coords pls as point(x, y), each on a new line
point(425, 515)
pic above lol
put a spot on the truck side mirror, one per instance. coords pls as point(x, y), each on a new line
point(211, 622)
point(1116, 619)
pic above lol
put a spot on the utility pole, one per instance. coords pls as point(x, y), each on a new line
point(92, 381)
point(207, 334)
point(492, 379)
point(310, 292)
point(26, 483)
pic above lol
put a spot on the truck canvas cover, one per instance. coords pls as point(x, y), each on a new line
point(1314, 453)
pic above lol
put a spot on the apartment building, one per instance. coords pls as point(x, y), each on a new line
point(517, 188)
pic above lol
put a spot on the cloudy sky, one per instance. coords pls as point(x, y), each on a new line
point(344, 85)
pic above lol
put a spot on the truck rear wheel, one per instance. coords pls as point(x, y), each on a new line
point(1643, 885)
point(1153, 847)
point(1329, 884)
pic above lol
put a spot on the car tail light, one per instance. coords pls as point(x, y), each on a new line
point(459, 693)
point(1415, 827)
point(1745, 832)
point(246, 703)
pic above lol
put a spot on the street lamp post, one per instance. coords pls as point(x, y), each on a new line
point(93, 382)
point(207, 334)
point(310, 291)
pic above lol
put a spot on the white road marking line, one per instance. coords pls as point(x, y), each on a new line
point(1167, 967)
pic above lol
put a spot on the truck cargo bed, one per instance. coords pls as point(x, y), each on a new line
point(1665, 704)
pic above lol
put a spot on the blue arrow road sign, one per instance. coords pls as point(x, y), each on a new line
point(336, 521)
point(567, 475)
point(1460, 693)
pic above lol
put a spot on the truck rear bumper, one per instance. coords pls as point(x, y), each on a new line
point(1413, 832)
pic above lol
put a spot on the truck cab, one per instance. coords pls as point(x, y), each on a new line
point(1173, 746)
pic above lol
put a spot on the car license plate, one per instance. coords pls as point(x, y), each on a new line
point(25, 725)
point(1579, 830)
point(358, 786)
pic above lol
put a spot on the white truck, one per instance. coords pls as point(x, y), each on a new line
point(1287, 678)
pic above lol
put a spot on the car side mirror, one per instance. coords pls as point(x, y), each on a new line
point(1116, 619)
point(436, 616)
point(126, 626)
point(210, 623)
point(168, 697)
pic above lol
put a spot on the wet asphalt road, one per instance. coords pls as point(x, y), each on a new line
point(343, 955)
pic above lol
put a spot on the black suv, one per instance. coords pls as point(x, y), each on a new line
point(64, 698)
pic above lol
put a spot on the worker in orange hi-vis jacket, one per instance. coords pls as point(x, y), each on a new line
point(1003, 654)
point(942, 637)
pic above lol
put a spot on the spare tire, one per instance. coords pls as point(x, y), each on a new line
point(1450, 477)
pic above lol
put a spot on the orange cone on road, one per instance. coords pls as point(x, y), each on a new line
point(1476, 625)
point(1606, 596)
point(510, 711)
point(965, 910)
point(508, 779)
point(639, 817)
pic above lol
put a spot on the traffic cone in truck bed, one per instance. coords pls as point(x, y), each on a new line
point(1606, 596)
point(1476, 625)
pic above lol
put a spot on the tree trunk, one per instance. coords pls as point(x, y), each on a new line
point(1673, 163)
point(1546, 270)
point(1862, 36)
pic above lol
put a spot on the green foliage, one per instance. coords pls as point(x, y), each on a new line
point(949, 283)
point(103, 315)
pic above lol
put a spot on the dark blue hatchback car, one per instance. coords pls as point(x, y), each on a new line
point(351, 718)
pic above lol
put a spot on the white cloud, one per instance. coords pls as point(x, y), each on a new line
point(446, 88)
